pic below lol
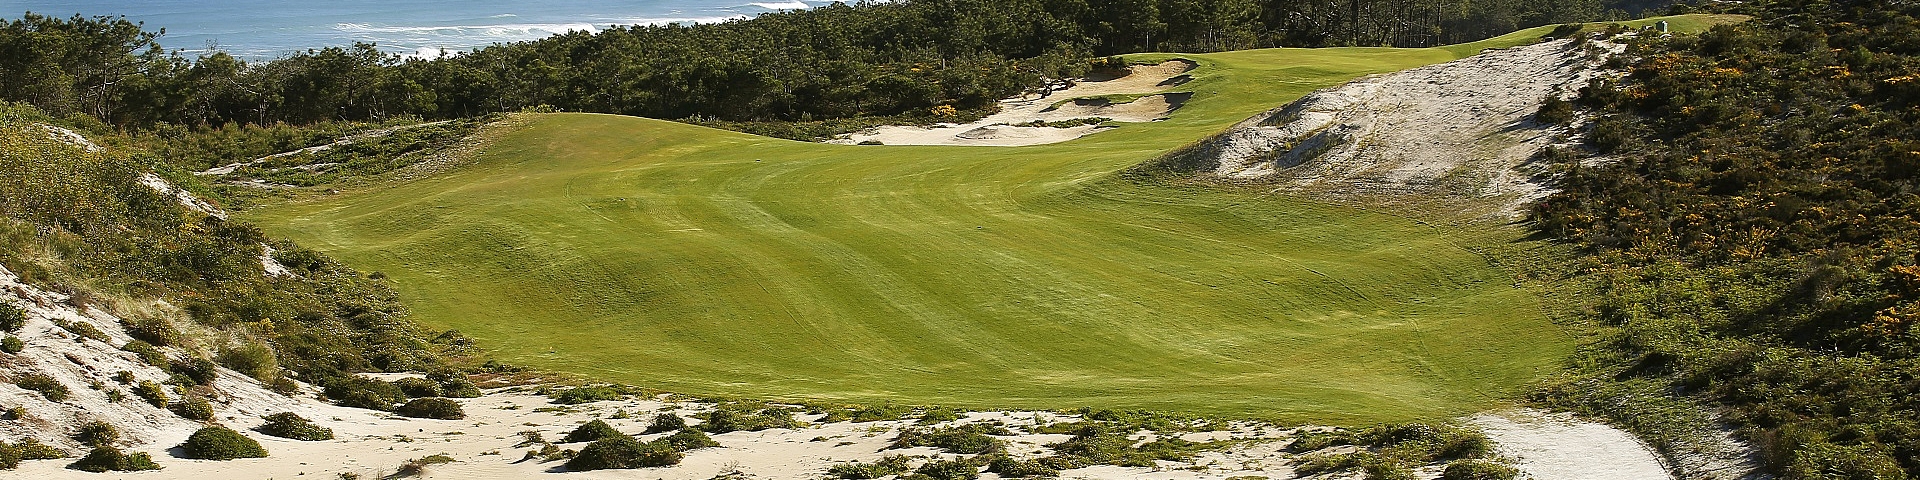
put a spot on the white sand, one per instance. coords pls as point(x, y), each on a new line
point(1001, 129)
point(1461, 128)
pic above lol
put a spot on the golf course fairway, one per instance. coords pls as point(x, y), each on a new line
point(711, 262)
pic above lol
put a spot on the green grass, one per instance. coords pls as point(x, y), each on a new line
point(711, 262)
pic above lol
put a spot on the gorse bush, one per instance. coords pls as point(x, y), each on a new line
point(147, 353)
point(1751, 250)
point(220, 443)
point(418, 387)
point(353, 391)
point(12, 344)
point(48, 387)
point(454, 384)
point(948, 470)
point(153, 393)
point(153, 330)
point(96, 434)
point(623, 452)
point(291, 425)
point(887, 465)
point(688, 439)
point(193, 407)
point(434, 408)
point(666, 422)
point(747, 416)
point(970, 439)
point(110, 459)
point(591, 431)
point(12, 318)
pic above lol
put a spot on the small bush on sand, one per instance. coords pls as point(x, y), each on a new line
point(200, 370)
point(290, 425)
point(147, 353)
point(688, 439)
point(666, 422)
point(96, 434)
point(418, 387)
point(1007, 467)
point(12, 345)
point(109, 459)
point(454, 384)
point(49, 388)
point(418, 466)
point(12, 318)
point(434, 407)
point(948, 470)
point(1478, 470)
point(153, 393)
point(623, 452)
point(587, 394)
point(591, 431)
point(220, 443)
point(32, 449)
point(887, 465)
point(252, 359)
point(156, 331)
point(352, 391)
point(193, 408)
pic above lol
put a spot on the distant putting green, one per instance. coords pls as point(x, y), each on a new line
point(712, 262)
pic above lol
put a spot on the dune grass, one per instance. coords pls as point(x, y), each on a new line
point(711, 262)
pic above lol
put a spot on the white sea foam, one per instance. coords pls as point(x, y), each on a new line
point(504, 30)
point(673, 20)
point(792, 5)
point(503, 15)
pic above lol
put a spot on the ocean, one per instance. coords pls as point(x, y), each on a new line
point(267, 29)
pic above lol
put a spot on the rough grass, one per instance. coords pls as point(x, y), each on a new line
point(711, 262)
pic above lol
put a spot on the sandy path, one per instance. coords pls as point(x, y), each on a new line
point(1559, 447)
point(1001, 129)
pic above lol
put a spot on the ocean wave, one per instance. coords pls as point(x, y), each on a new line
point(668, 20)
point(791, 5)
point(503, 30)
point(503, 15)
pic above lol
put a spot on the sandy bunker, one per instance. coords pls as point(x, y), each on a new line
point(1015, 124)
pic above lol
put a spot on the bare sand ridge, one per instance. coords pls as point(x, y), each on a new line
point(1462, 128)
point(1005, 129)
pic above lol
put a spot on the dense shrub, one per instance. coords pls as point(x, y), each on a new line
point(97, 434)
point(747, 416)
point(83, 330)
point(147, 353)
point(666, 422)
point(12, 318)
point(153, 330)
point(688, 439)
point(454, 384)
point(1007, 467)
point(32, 449)
point(153, 393)
point(623, 452)
point(970, 439)
point(418, 387)
point(433, 407)
point(12, 344)
point(1554, 111)
point(887, 465)
point(591, 431)
point(110, 459)
point(200, 370)
point(290, 425)
point(357, 392)
point(193, 407)
point(588, 394)
point(1478, 470)
point(250, 359)
point(948, 470)
point(220, 443)
point(47, 387)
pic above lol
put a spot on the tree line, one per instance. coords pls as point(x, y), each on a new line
point(836, 61)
